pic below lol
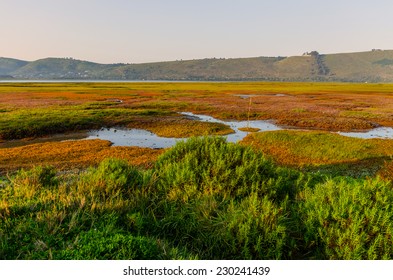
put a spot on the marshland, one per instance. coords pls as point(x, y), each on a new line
point(299, 188)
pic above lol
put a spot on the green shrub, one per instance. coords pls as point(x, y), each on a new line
point(211, 165)
point(112, 178)
point(224, 200)
point(37, 177)
point(100, 245)
point(349, 219)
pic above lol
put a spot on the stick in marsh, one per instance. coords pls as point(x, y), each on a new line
point(248, 114)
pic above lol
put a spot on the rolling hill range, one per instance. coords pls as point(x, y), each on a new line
point(371, 66)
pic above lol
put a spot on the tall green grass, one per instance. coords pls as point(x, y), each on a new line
point(204, 199)
point(224, 201)
point(44, 216)
point(349, 219)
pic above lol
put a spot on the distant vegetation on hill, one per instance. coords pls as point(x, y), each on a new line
point(372, 66)
point(9, 65)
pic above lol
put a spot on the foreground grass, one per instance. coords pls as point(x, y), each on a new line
point(204, 199)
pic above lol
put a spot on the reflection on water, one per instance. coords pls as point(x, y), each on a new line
point(144, 138)
point(235, 125)
point(133, 137)
point(380, 132)
point(245, 96)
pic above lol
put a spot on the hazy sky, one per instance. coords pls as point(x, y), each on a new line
point(133, 31)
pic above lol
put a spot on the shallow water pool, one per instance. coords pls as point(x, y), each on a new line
point(379, 132)
point(235, 125)
point(144, 138)
point(133, 137)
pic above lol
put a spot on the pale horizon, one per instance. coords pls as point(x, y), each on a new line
point(134, 31)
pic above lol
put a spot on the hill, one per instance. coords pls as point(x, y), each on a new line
point(62, 68)
point(374, 66)
point(371, 66)
point(9, 65)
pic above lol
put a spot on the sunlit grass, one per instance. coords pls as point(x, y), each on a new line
point(73, 155)
point(323, 151)
point(249, 129)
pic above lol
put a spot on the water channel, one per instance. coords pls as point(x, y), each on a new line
point(144, 138)
point(133, 137)
point(379, 132)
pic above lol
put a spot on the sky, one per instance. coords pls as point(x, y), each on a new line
point(137, 31)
